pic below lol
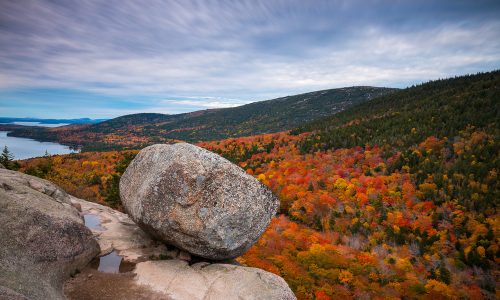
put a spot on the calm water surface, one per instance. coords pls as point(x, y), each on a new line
point(109, 263)
point(93, 222)
point(23, 148)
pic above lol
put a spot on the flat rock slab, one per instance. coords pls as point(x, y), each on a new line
point(179, 281)
point(118, 232)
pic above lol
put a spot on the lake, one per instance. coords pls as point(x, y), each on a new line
point(23, 148)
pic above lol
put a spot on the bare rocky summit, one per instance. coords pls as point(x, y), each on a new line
point(43, 238)
point(196, 200)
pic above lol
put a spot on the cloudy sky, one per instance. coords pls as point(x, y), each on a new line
point(107, 58)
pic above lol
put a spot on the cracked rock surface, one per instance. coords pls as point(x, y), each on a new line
point(196, 200)
point(179, 281)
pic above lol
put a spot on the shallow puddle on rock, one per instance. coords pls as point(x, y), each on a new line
point(112, 263)
point(92, 222)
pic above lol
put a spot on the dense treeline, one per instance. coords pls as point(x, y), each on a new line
point(404, 118)
point(353, 225)
point(446, 109)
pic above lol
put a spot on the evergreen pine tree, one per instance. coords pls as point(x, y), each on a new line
point(6, 157)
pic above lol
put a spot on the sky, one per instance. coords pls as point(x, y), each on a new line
point(102, 59)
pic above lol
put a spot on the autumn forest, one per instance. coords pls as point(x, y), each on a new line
point(393, 197)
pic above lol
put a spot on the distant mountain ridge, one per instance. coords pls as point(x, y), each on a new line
point(8, 120)
point(138, 130)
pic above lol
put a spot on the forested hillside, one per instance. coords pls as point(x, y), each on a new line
point(138, 130)
point(394, 198)
point(439, 108)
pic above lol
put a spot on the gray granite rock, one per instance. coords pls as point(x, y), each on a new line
point(115, 231)
point(196, 200)
point(43, 239)
point(8, 294)
point(180, 281)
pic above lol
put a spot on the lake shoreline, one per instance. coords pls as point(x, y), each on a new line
point(26, 148)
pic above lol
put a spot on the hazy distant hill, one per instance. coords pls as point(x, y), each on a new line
point(8, 120)
point(255, 118)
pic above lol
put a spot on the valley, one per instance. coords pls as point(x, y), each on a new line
point(395, 197)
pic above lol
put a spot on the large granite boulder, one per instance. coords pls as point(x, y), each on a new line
point(196, 200)
point(180, 281)
point(43, 239)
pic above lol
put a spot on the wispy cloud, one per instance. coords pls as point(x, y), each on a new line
point(208, 102)
point(127, 56)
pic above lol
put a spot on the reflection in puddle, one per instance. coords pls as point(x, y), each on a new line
point(92, 221)
point(112, 263)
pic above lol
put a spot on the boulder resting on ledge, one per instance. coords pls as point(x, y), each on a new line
point(196, 200)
